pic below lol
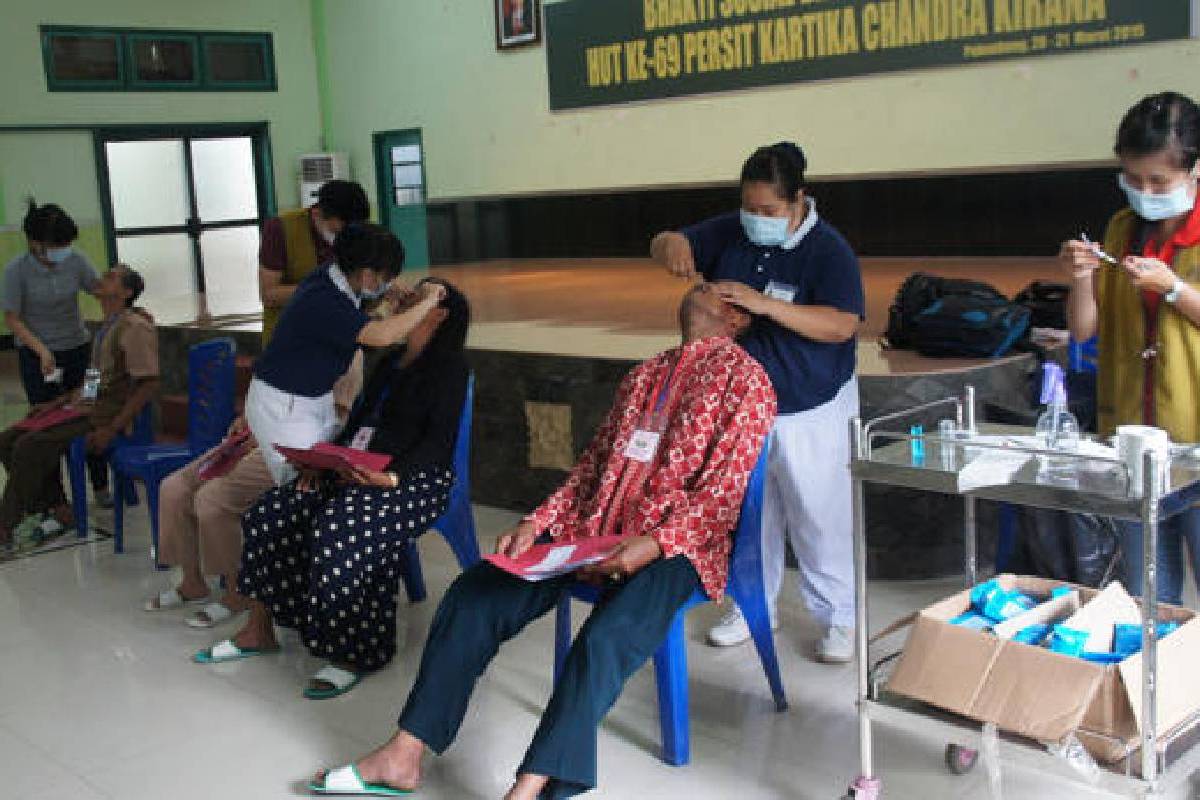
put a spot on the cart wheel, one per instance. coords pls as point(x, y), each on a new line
point(960, 760)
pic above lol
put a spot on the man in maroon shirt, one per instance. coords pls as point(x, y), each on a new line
point(297, 242)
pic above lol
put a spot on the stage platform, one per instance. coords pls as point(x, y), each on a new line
point(550, 340)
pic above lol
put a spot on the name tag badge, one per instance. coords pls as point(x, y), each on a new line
point(642, 446)
point(363, 438)
point(91, 384)
point(780, 291)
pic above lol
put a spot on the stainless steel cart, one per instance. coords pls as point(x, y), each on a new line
point(1170, 486)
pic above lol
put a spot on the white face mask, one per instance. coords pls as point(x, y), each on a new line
point(765, 231)
point(328, 235)
point(57, 255)
point(1157, 207)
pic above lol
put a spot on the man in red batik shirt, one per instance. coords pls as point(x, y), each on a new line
point(666, 471)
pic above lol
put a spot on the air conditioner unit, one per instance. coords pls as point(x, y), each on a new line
point(319, 168)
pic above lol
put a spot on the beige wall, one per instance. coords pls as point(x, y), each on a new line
point(488, 129)
point(292, 111)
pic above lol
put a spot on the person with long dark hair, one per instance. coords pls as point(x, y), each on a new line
point(322, 554)
point(290, 401)
point(800, 282)
point(1146, 308)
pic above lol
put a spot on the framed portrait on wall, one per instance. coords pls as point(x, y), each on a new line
point(518, 23)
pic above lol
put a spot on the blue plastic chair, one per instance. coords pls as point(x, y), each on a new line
point(211, 369)
point(457, 525)
point(670, 660)
point(143, 433)
point(1083, 356)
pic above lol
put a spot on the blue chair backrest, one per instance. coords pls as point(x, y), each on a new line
point(211, 371)
point(1083, 356)
point(143, 426)
point(746, 563)
point(462, 444)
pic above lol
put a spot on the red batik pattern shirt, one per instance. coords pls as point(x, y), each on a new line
point(719, 407)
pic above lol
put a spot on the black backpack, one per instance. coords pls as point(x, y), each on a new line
point(954, 317)
point(1047, 304)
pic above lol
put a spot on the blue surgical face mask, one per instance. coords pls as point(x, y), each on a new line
point(57, 255)
point(1157, 207)
point(765, 231)
point(371, 295)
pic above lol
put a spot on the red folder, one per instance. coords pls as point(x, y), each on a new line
point(333, 457)
point(222, 460)
point(49, 419)
point(544, 561)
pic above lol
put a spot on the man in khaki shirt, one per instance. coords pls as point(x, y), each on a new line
point(125, 354)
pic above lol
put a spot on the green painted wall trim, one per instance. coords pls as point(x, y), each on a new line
point(324, 89)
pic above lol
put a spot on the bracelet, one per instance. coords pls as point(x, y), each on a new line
point(1172, 296)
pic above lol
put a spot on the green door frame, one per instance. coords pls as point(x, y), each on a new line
point(263, 178)
point(384, 180)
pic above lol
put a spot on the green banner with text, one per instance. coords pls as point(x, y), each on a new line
point(617, 51)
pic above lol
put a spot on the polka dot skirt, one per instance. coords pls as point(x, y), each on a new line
point(328, 563)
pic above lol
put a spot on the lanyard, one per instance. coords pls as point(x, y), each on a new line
point(634, 473)
point(100, 335)
point(653, 416)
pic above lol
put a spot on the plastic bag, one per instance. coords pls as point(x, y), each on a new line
point(1077, 548)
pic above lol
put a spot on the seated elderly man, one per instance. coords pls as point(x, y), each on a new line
point(123, 377)
point(666, 471)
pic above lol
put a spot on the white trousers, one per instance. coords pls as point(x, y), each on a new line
point(808, 501)
point(276, 417)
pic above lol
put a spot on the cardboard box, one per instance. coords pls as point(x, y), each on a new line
point(1033, 692)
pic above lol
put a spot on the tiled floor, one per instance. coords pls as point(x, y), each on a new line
point(98, 699)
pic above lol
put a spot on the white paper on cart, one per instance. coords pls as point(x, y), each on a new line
point(991, 468)
point(1101, 613)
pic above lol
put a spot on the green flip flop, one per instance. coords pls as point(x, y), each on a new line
point(226, 650)
point(346, 781)
point(341, 681)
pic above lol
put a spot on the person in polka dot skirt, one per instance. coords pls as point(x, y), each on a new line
point(322, 554)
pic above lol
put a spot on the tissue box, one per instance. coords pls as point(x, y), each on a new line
point(1033, 692)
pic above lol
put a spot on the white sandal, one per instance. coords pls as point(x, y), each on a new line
point(210, 616)
point(346, 781)
point(169, 599)
point(340, 681)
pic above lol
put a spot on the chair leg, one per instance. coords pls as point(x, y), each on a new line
point(753, 605)
point(153, 482)
point(118, 497)
point(460, 533)
point(77, 472)
point(562, 634)
point(130, 490)
point(671, 675)
point(412, 574)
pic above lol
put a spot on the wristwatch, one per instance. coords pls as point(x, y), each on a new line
point(1172, 296)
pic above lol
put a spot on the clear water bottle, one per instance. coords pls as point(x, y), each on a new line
point(1057, 428)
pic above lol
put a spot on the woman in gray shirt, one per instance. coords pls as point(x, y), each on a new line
point(41, 304)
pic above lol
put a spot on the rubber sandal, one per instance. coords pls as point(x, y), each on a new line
point(226, 650)
point(169, 599)
point(346, 781)
point(210, 616)
point(342, 681)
